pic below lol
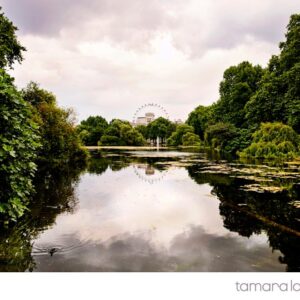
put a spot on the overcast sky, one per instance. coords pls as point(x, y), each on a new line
point(108, 57)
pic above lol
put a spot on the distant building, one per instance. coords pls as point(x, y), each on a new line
point(148, 118)
point(178, 121)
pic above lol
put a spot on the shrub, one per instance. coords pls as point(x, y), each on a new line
point(176, 138)
point(218, 135)
point(191, 139)
point(240, 140)
point(273, 140)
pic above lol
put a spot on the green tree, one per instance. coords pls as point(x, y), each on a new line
point(143, 129)
point(35, 95)
point(92, 129)
point(176, 138)
point(121, 133)
point(112, 134)
point(240, 139)
point(239, 84)
point(160, 127)
point(18, 132)
point(10, 48)
point(191, 139)
point(218, 135)
point(278, 98)
point(290, 48)
point(59, 138)
point(131, 136)
point(273, 140)
point(18, 145)
point(200, 118)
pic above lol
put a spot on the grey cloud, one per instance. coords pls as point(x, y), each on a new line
point(96, 55)
point(194, 250)
point(49, 17)
point(227, 24)
point(134, 23)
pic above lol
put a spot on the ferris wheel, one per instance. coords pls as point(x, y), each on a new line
point(154, 108)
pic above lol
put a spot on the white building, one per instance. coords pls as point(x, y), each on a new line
point(148, 118)
point(178, 121)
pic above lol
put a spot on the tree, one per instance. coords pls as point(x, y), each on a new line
point(10, 48)
point(18, 132)
point(290, 48)
point(200, 118)
point(92, 129)
point(240, 139)
point(278, 98)
point(143, 129)
point(35, 95)
point(273, 140)
point(59, 138)
point(19, 142)
point(292, 97)
point(265, 106)
point(191, 139)
point(161, 128)
point(176, 138)
point(121, 133)
point(131, 136)
point(112, 134)
point(239, 84)
point(219, 134)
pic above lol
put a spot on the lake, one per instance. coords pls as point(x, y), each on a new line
point(159, 211)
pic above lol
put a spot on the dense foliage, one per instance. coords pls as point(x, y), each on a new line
point(121, 133)
point(273, 140)
point(10, 48)
point(238, 86)
point(200, 118)
point(191, 139)
point(278, 98)
point(18, 138)
point(59, 138)
point(161, 128)
point(18, 144)
point(96, 130)
point(92, 129)
point(219, 134)
point(176, 139)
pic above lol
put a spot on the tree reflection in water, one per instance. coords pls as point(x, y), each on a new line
point(245, 212)
point(55, 194)
point(253, 212)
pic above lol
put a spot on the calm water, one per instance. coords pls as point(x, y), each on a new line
point(159, 211)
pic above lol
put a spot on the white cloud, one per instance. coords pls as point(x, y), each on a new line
point(109, 57)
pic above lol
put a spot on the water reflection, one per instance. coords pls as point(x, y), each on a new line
point(192, 250)
point(252, 212)
point(205, 215)
point(55, 194)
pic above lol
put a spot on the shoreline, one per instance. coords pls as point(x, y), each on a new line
point(124, 147)
point(138, 147)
